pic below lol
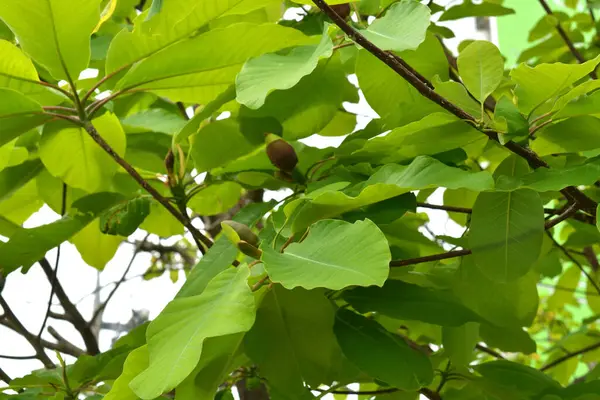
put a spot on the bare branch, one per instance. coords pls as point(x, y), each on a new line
point(570, 211)
point(436, 257)
point(569, 356)
point(63, 345)
point(489, 351)
point(4, 376)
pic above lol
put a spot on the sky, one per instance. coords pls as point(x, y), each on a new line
point(28, 294)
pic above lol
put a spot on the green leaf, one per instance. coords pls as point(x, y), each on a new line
point(435, 133)
point(27, 246)
point(536, 85)
point(403, 26)
point(481, 68)
point(470, 9)
point(161, 222)
point(18, 73)
point(404, 301)
point(508, 305)
point(124, 219)
point(507, 230)
point(292, 341)
point(389, 181)
point(154, 120)
point(507, 339)
point(459, 343)
point(526, 380)
point(177, 21)
point(568, 136)
point(508, 118)
point(555, 179)
point(334, 255)
point(57, 35)
point(219, 357)
point(176, 337)
point(18, 114)
point(216, 198)
point(68, 152)
point(196, 70)
point(136, 362)
point(381, 354)
point(262, 75)
point(390, 95)
point(96, 248)
point(14, 178)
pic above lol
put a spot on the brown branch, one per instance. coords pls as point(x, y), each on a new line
point(198, 236)
point(590, 255)
point(570, 355)
point(13, 322)
point(489, 351)
point(393, 62)
point(163, 249)
point(574, 261)
point(63, 345)
point(435, 257)
point(570, 211)
point(91, 343)
point(60, 108)
point(90, 92)
point(566, 39)
point(4, 377)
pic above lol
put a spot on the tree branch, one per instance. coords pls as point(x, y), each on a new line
point(4, 377)
point(198, 236)
point(395, 64)
point(574, 261)
point(570, 355)
point(63, 345)
point(18, 327)
point(489, 351)
point(566, 39)
point(570, 211)
point(435, 257)
point(72, 312)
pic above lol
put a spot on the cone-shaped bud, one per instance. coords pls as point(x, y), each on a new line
point(249, 250)
point(242, 232)
point(281, 153)
point(343, 10)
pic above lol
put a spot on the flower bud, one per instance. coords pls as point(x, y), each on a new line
point(243, 232)
point(249, 250)
point(343, 10)
point(281, 153)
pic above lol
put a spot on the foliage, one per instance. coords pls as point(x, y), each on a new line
point(199, 108)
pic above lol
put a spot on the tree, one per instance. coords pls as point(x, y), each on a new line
point(342, 287)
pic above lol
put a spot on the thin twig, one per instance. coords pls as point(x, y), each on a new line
point(435, 257)
point(63, 344)
point(533, 130)
point(393, 62)
point(359, 392)
point(90, 92)
point(570, 355)
point(566, 38)
point(119, 282)
point(18, 327)
point(489, 351)
point(572, 209)
point(60, 108)
point(63, 209)
point(198, 236)
point(77, 320)
point(574, 261)
point(33, 357)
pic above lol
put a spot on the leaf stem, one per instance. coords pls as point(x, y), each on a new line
point(435, 257)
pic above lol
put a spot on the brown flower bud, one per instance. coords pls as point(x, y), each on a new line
point(281, 153)
point(249, 250)
point(343, 10)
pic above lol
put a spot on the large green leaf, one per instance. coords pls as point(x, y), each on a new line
point(470, 9)
point(507, 339)
point(507, 230)
point(27, 246)
point(536, 85)
point(569, 135)
point(555, 179)
point(176, 337)
point(13, 178)
point(526, 380)
point(197, 70)
point(405, 301)
point(390, 95)
point(68, 152)
point(435, 133)
point(57, 34)
point(508, 305)
point(403, 26)
point(216, 198)
point(389, 181)
point(292, 341)
point(220, 355)
point(124, 218)
point(96, 248)
point(18, 114)
point(262, 75)
point(136, 362)
point(334, 255)
point(459, 342)
point(178, 20)
point(17, 72)
point(381, 354)
point(481, 68)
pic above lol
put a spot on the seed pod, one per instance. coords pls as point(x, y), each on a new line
point(243, 232)
point(281, 153)
point(343, 10)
